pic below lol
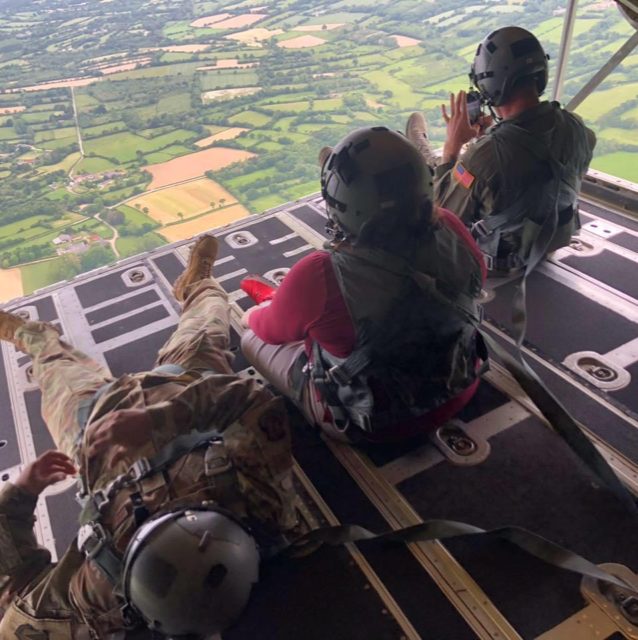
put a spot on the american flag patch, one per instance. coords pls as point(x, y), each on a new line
point(463, 176)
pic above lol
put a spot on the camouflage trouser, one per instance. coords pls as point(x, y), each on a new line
point(68, 378)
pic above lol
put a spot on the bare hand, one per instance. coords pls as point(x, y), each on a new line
point(459, 129)
point(49, 468)
point(121, 430)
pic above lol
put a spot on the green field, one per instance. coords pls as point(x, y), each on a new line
point(621, 163)
point(63, 165)
point(95, 165)
point(133, 216)
point(124, 146)
point(132, 245)
point(250, 118)
point(599, 103)
point(39, 275)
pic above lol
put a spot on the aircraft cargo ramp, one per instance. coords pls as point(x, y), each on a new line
point(498, 464)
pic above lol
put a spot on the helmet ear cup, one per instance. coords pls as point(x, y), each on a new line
point(504, 58)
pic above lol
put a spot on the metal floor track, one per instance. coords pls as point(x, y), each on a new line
point(583, 314)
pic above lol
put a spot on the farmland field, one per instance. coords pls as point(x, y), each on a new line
point(190, 199)
point(245, 94)
point(10, 284)
point(204, 223)
point(194, 165)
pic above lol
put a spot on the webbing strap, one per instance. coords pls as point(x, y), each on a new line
point(531, 543)
point(177, 448)
point(352, 366)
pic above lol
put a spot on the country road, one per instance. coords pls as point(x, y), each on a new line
point(79, 132)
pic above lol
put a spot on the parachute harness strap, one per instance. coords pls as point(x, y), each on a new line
point(93, 539)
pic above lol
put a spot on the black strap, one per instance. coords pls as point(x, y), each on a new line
point(525, 540)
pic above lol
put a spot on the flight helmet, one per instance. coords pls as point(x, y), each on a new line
point(188, 573)
point(375, 178)
point(506, 56)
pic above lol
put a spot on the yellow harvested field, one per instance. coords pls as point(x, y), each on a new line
point(206, 223)
point(56, 84)
point(10, 284)
point(405, 41)
point(190, 199)
point(319, 27)
point(254, 36)
point(126, 66)
point(227, 134)
point(194, 165)
point(228, 63)
point(302, 42)
point(207, 21)
point(9, 110)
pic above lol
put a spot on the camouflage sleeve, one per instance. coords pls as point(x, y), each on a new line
point(19, 549)
point(215, 400)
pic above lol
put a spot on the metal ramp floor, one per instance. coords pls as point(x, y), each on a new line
point(583, 313)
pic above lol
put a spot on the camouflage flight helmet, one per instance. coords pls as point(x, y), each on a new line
point(188, 573)
point(506, 56)
point(375, 178)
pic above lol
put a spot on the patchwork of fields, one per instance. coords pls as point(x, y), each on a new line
point(217, 110)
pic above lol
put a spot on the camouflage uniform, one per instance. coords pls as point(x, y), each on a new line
point(59, 602)
point(489, 176)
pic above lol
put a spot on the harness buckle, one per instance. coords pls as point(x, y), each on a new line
point(101, 499)
point(478, 229)
point(489, 261)
point(91, 539)
point(139, 469)
point(336, 374)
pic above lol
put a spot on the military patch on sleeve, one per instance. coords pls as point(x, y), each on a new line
point(463, 176)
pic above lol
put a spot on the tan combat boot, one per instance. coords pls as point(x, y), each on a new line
point(416, 131)
point(200, 263)
point(8, 325)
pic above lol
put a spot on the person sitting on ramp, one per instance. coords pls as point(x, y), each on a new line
point(517, 186)
point(374, 337)
point(186, 473)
